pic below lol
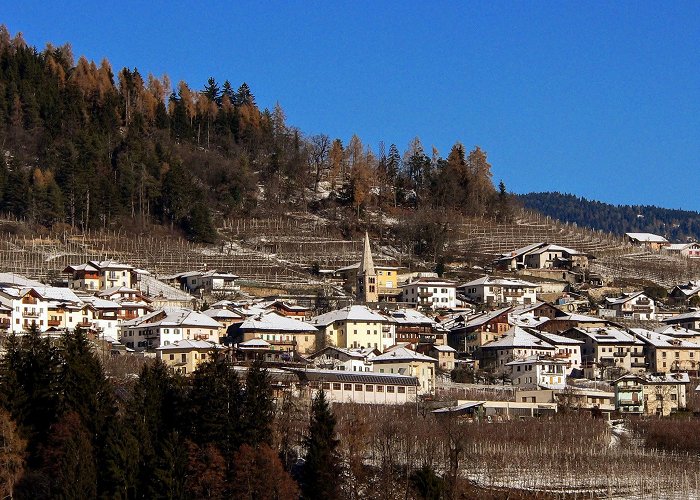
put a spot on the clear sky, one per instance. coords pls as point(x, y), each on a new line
point(599, 99)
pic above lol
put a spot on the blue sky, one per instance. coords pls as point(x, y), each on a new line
point(600, 99)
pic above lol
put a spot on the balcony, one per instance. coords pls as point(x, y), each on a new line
point(628, 402)
point(513, 294)
point(30, 314)
point(620, 354)
point(639, 365)
point(53, 322)
point(425, 295)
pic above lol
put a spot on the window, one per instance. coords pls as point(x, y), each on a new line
point(327, 386)
point(184, 358)
point(347, 387)
point(369, 388)
point(380, 388)
point(390, 388)
point(401, 390)
point(172, 357)
point(358, 387)
point(336, 386)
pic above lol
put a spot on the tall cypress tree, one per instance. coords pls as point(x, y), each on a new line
point(322, 470)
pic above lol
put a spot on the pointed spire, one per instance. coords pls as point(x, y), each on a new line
point(367, 264)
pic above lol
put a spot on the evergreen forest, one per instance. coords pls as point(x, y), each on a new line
point(86, 146)
point(675, 225)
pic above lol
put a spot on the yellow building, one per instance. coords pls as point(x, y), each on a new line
point(356, 326)
point(283, 333)
point(185, 355)
point(403, 361)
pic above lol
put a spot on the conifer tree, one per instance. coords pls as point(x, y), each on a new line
point(322, 469)
point(215, 405)
point(258, 406)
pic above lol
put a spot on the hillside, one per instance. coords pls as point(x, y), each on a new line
point(675, 225)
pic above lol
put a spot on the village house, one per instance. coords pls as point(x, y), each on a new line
point(608, 352)
point(283, 333)
point(689, 320)
point(100, 275)
point(651, 394)
point(574, 398)
point(226, 317)
point(206, 282)
point(404, 361)
point(543, 256)
point(444, 354)
point(356, 326)
point(30, 306)
point(632, 306)
point(293, 311)
point(338, 358)
point(537, 372)
point(573, 320)
point(430, 293)
point(165, 327)
point(566, 349)
point(185, 355)
point(651, 241)
point(357, 387)
point(470, 332)
point(678, 332)
point(687, 250)
point(682, 294)
point(412, 326)
point(665, 354)
point(518, 343)
point(499, 291)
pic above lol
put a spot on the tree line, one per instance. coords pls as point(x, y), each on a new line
point(674, 225)
point(87, 148)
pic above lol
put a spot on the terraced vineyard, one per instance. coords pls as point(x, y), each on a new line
point(283, 249)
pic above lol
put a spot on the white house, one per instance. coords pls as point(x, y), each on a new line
point(100, 275)
point(688, 250)
point(538, 372)
point(517, 343)
point(339, 358)
point(432, 293)
point(632, 306)
point(499, 291)
point(167, 326)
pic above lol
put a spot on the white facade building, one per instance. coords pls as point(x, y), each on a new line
point(432, 293)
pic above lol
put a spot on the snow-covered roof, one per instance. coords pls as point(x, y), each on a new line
point(647, 237)
point(12, 279)
point(189, 344)
point(487, 280)
point(556, 340)
point(221, 314)
point(692, 315)
point(409, 316)
point(483, 318)
point(555, 248)
point(429, 282)
point(153, 287)
point(173, 318)
point(57, 293)
point(609, 335)
point(660, 340)
point(657, 378)
point(519, 337)
point(100, 303)
point(271, 321)
point(521, 251)
point(353, 313)
point(254, 344)
point(625, 298)
point(400, 354)
point(444, 348)
point(677, 331)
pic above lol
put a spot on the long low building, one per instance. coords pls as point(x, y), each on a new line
point(357, 387)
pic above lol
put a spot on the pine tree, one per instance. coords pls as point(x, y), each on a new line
point(215, 405)
point(258, 406)
point(322, 469)
point(30, 387)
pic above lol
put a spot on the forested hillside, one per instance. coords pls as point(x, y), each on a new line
point(675, 225)
point(88, 147)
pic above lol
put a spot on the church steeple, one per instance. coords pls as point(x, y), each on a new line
point(367, 276)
